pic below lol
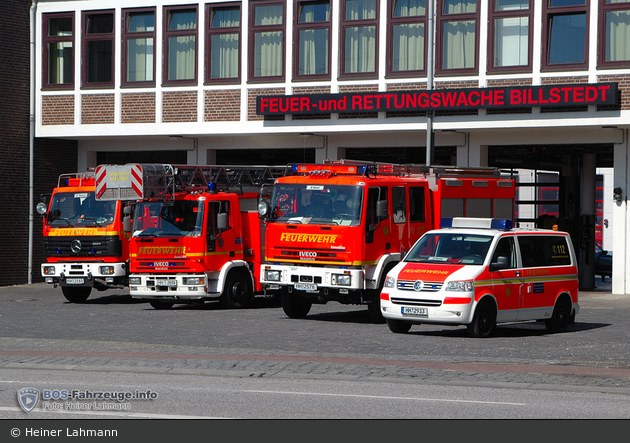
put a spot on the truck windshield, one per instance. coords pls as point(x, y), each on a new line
point(316, 204)
point(76, 209)
point(168, 219)
point(468, 249)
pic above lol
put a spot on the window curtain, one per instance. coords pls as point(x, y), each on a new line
point(140, 59)
point(224, 47)
point(408, 47)
point(511, 41)
point(360, 41)
point(182, 49)
point(617, 36)
point(313, 52)
point(460, 6)
point(410, 8)
point(458, 50)
point(268, 45)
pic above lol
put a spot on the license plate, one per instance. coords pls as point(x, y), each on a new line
point(306, 286)
point(414, 311)
point(172, 283)
point(75, 281)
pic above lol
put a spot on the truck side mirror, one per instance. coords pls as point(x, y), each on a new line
point(222, 222)
point(381, 209)
point(501, 263)
point(127, 218)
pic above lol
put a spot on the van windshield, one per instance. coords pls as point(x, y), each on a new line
point(454, 248)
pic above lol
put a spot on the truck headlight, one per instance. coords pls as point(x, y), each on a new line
point(460, 286)
point(135, 280)
point(342, 279)
point(106, 270)
point(48, 270)
point(193, 280)
point(390, 282)
point(272, 275)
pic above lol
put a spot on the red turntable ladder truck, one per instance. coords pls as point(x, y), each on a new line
point(334, 230)
point(195, 234)
point(84, 242)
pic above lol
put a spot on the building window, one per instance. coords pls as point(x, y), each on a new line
point(266, 58)
point(223, 43)
point(98, 49)
point(457, 32)
point(359, 43)
point(565, 34)
point(312, 31)
point(58, 50)
point(180, 45)
point(509, 40)
point(614, 50)
point(406, 49)
point(138, 47)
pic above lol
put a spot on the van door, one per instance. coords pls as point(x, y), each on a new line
point(506, 280)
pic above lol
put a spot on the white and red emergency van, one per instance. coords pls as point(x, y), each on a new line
point(480, 272)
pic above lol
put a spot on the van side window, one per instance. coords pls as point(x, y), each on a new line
point(505, 248)
point(399, 204)
point(416, 204)
point(544, 250)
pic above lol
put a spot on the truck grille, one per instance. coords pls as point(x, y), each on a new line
point(82, 247)
point(415, 302)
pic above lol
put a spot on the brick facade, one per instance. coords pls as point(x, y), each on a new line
point(58, 110)
point(138, 107)
point(222, 105)
point(178, 107)
point(51, 157)
point(97, 109)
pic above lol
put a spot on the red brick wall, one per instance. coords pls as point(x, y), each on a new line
point(251, 102)
point(138, 107)
point(51, 157)
point(58, 110)
point(222, 105)
point(179, 107)
point(97, 109)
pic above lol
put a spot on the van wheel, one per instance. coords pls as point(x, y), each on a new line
point(76, 295)
point(484, 321)
point(398, 326)
point(294, 305)
point(236, 293)
point(160, 305)
point(560, 318)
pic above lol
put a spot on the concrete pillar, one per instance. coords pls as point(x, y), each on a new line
point(620, 226)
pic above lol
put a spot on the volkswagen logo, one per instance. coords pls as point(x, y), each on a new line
point(417, 285)
point(75, 246)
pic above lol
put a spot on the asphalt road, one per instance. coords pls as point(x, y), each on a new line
point(257, 363)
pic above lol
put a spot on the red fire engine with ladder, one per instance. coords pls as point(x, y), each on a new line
point(196, 234)
point(84, 242)
point(334, 230)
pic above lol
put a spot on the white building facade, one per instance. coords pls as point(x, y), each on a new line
point(179, 81)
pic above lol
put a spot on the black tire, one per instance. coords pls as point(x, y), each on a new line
point(160, 305)
point(237, 292)
point(374, 307)
point(76, 294)
point(561, 317)
point(294, 305)
point(398, 326)
point(484, 321)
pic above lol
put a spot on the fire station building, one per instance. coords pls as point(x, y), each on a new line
point(539, 88)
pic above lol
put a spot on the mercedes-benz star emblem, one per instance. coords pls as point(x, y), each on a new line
point(75, 246)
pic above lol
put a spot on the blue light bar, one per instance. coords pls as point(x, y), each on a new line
point(470, 222)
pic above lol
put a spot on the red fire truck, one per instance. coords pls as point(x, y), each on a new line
point(84, 242)
point(196, 234)
point(334, 230)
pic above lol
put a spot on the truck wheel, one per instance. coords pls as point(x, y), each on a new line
point(374, 307)
point(294, 305)
point(158, 304)
point(484, 321)
point(236, 293)
point(76, 295)
point(398, 326)
point(560, 318)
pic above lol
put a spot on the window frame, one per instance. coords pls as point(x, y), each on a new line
point(178, 33)
point(103, 36)
point(441, 19)
point(297, 27)
point(133, 35)
point(391, 23)
point(548, 14)
point(493, 14)
point(210, 31)
point(254, 29)
point(46, 40)
point(601, 45)
point(343, 25)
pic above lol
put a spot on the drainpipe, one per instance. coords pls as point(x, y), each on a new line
point(430, 43)
point(31, 141)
